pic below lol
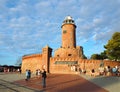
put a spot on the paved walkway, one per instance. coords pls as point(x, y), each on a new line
point(63, 83)
point(111, 83)
point(59, 83)
point(7, 83)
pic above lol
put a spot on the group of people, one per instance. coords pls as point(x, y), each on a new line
point(38, 74)
point(106, 71)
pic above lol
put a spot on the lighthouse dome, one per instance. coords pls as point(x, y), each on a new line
point(68, 20)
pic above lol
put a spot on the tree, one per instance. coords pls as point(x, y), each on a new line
point(113, 47)
point(19, 61)
point(96, 56)
point(103, 55)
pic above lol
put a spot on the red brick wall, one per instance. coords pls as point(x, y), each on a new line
point(46, 54)
point(32, 62)
point(60, 68)
point(35, 61)
point(95, 64)
point(82, 63)
point(68, 37)
point(62, 52)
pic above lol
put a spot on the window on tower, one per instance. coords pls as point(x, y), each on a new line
point(70, 21)
point(69, 54)
point(64, 31)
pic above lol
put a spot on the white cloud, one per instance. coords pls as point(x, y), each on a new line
point(79, 20)
point(97, 21)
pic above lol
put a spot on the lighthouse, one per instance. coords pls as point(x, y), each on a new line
point(68, 48)
point(68, 33)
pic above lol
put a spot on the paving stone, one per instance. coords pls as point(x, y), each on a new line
point(62, 83)
point(59, 83)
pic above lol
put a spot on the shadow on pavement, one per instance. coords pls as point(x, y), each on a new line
point(62, 83)
point(6, 85)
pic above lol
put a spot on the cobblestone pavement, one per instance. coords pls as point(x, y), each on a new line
point(7, 84)
point(62, 83)
point(59, 83)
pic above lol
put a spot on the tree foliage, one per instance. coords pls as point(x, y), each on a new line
point(113, 47)
point(95, 56)
point(103, 55)
point(100, 56)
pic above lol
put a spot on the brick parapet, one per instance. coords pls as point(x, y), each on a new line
point(31, 56)
point(63, 59)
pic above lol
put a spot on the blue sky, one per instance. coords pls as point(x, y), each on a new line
point(26, 26)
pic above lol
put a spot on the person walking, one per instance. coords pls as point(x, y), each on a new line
point(44, 78)
point(27, 75)
point(39, 73)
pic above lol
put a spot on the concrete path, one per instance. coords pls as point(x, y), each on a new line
point(62, 83)
point(7, 83)
point(111, 83)
point(59, 83)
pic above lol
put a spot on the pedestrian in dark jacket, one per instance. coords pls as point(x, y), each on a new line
point(29, 74)
point(44, 78)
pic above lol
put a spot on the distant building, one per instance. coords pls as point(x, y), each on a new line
point(6, 68)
